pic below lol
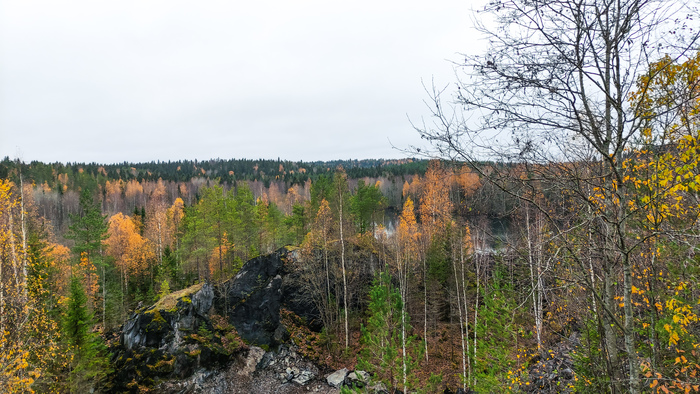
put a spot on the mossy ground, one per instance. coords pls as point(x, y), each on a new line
point(169, 302)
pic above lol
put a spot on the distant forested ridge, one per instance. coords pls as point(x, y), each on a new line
point(225, 171)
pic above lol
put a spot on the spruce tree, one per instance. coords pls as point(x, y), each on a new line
point(89, 363)
point(89, 231)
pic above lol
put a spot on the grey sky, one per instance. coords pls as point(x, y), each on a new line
point(141, 80)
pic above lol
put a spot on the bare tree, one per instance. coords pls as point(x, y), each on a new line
point(552, 94)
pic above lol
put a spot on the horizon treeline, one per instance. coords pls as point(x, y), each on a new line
point(224, 171)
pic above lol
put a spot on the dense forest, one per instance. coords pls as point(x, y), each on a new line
point(225, 171)
point(81, 250)
point(567, 263)
point(420, 278)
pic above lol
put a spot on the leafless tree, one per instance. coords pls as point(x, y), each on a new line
point(552, 94)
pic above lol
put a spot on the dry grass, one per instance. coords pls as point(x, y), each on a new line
point(169, 302)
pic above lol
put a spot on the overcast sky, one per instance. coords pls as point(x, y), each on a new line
point(142, 80)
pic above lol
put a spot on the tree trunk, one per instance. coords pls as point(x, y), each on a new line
point(345, 282)
point(401, 265)
point(462, 321)
point(24, 240)
point(477, 257)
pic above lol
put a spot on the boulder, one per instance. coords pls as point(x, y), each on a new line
point(255, 355)
point(357, 379)
point(162, 325)
point(337, 378)
point(171, 339)
point(379, 388)
point(254, 297)
point(552, 371)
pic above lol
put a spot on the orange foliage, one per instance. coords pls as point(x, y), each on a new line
point(63, 179)
point(157, 229)
point(134, 191)
point(113, 191)
point(59, 257)
point(408, 230)
point(274, 195)
point(467, 181)
point(216, 256)
point(292, 198)
point(91, 281)
point(130, 250)
point(175, 214)
point(435, 205)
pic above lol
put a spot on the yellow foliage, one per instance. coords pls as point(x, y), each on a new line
point(130, 250)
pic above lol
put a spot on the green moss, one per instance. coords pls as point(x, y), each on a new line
point(157, 317)
point(169, 302)
point(186, 299)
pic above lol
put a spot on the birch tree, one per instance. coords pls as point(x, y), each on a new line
point(406, 252)
point(553, 89)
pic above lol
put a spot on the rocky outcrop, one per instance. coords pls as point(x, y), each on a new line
point(163, 324)
point(172, 339)
point(204, 328)
point(253, 299)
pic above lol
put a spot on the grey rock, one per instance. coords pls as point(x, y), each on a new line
point(163, 329)
point(250, 365)
point(281, 334)
point(251, 302)
point(267, 360)
point(379, 388)
point(203, 300)
point(359, 375)
point(357, 379)
point(337, 378)
point(304, 377)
